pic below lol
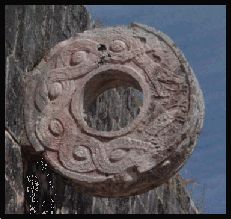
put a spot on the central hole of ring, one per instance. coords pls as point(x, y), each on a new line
point(112, 99)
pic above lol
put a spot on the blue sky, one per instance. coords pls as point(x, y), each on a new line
point(200, 32)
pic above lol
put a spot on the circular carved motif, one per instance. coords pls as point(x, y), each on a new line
point(81, 153)
point(55, 90)
point(137, 157)
point(118, 46)
point(78, 57)
point(56, 127)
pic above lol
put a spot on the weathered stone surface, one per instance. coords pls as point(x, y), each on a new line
point(14, 202)
point(30, 32)
point(54, 194)
point(135, 158)
point(45, 190)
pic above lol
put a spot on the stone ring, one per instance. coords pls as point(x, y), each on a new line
point(135, 158)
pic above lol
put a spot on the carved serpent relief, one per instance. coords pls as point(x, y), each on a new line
point(137, 157)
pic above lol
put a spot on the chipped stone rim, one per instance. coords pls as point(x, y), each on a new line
point(78, 100)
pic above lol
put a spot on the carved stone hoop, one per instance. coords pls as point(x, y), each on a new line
point(135, 158)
